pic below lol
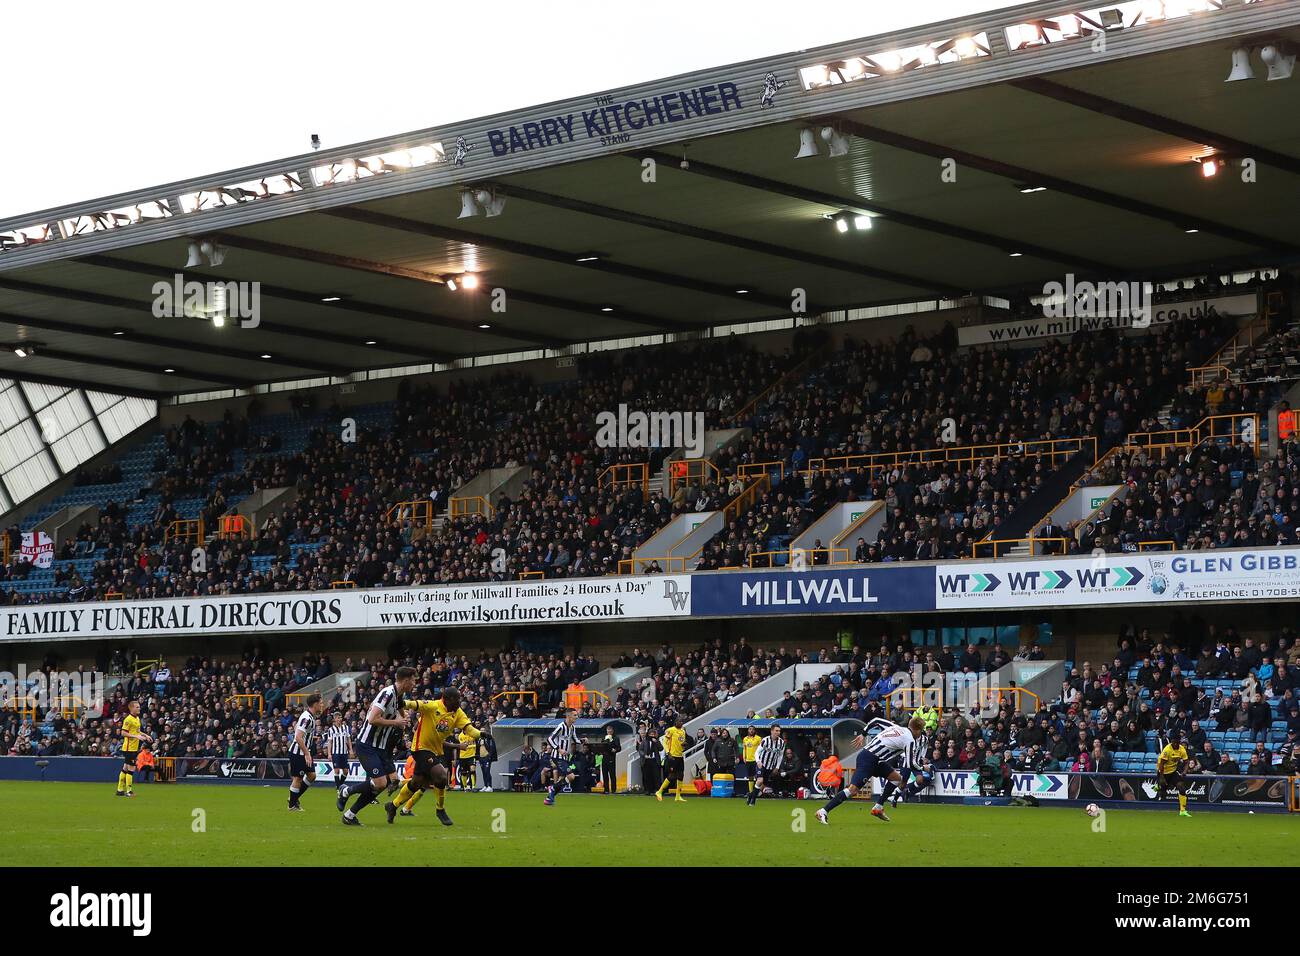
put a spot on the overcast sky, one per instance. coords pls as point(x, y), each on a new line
point(106, 98)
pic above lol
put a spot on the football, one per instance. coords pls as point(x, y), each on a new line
point(1092, 809)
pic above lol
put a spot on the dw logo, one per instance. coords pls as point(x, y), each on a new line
point(676, 595)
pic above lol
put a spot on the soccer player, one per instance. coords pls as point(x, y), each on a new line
point(749, 747)
point(674, 760)
point(302, 769)
point(767, 758)
point(465, 763)
point(131, 737)
point(436, 727)
point(878, 758)
point(1171, 771)
point(380, 734)
point(563, 741)
point(915, 772)
point(340, 745)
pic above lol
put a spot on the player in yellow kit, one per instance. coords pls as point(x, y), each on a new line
point(1171, 771)
point(674, 760)
point(131, 737)
point(438, 723)
point(748, 748)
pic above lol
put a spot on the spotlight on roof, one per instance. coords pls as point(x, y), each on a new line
point(1241, 68)
point(861, 223)
point(1210, 166)
point(841, 222)
point(315, 141)
point(1030, 188)
point(1112, 18)
point(332, 298)
point(965, 46)
point(468, 207)
point(451, 284)
point(807, 143)
point(469, 280)
point(201, 249)
point(24, 349)
point(484, 325)
point(490, 202)
point(195, 257)
point(588, 257)
point(837, 142)
point(1280, 60)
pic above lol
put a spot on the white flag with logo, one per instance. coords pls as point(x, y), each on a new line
point(38, 548)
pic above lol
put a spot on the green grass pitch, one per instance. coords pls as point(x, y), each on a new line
point(65, 824)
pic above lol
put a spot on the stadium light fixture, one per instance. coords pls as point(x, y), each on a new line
point(1280, 60)
point(861, 223)
point(451, 284)
point(119, 331)
point(837, 143)
point(588, 257)
point(469, 280)
point(1028, 188)
point(332, 298)
point(489, 201)
point(468, 207)
point(1015, 255)
point(372, 341)
point(25, 349)
point(195, 257)
point(484, 325)
point(1191, 230)
point(742, 292)
point(965, 46)
point(215, 254)
point(169, 370)
point(266, 355)
point(807, 143)
point(1241, 68)
point(607, 308)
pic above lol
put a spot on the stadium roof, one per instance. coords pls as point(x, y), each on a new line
point(1101, 110)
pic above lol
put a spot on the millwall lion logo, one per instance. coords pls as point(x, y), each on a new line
point(770, 85)
point(462, 151)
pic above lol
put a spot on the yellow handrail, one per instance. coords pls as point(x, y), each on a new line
point(995, 542)
point(1152, 545)
point(470, 505)
point(526, 575)
point(418, 511)
point(342, 585)
point(184, 529)
point(516, 693)
point(261, 701)
point(1053, 448)
point(691, 469)
point(667, 564)
point(633, 473)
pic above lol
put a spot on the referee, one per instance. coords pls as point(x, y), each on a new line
point(339, 740)
point(768, 758)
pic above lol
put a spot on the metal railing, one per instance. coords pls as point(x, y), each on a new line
point(626, 475)
point(184, 529)
point(668, 564)
point(1055, 450)
point(1033, 543)
point(529, 575)
point(470, 505)
point(418, 511)
point(261, 701)
point(685, 470)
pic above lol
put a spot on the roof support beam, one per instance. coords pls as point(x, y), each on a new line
point(1228, 145)
point(944, 229)
point(1020, 174)
point(545, 253)
point(722, 238)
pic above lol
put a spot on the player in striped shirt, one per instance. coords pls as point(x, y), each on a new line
point(880, 757)
point(339, 740)
point(767, 758)
point(302, 769)
point(564, 742)
point(380, 735)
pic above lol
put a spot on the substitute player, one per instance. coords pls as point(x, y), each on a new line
point(749, 747)
point(339, 739)
point(878, 758)
point(674, 760)
point(438, 724)
point(1171, 771)
point(131, 737)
